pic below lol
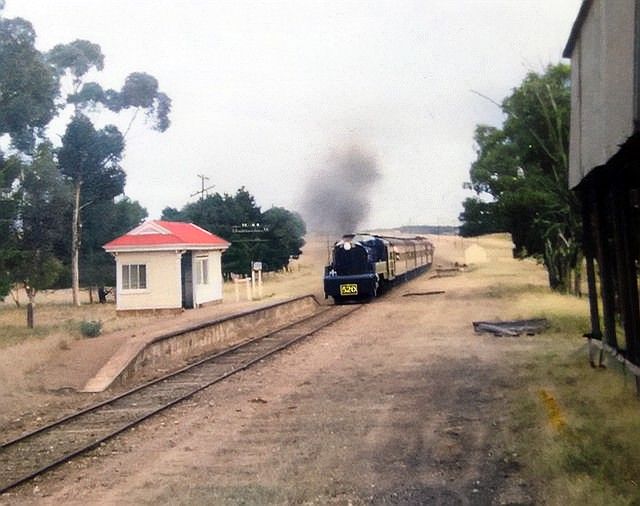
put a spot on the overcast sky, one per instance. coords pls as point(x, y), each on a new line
point(264, 91)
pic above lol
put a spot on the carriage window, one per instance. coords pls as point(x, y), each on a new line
point(134, 276)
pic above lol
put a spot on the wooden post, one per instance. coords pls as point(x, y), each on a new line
point(30, 315)
point(606, 264)
point(626, 270)
point(236, 286)
point(595, 332)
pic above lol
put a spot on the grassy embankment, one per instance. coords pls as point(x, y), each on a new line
point(575, 429)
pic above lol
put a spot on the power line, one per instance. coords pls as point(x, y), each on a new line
point(202, 192)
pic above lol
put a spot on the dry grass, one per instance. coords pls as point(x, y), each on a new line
point(53, 318)
point(593, 456)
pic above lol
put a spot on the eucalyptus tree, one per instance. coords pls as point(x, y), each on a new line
point(41, 199)
point(28, 85)
point(90, 158)
point(523, 170)
point(35, 87)
point(28, 88)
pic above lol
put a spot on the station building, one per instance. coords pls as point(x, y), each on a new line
point(167, 266)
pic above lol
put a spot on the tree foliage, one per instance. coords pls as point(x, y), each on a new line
point(271, 237)
point(42, 187)
point(284, 236)
point(76, 58)
point(90, 157)
point(28, 85)
point(101, 223)
point(9, 249)
point(520, 176)
point(40, 199)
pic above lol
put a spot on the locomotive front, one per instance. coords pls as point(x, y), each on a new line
point(351, 274)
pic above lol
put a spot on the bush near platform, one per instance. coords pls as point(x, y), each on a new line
point(91, 328)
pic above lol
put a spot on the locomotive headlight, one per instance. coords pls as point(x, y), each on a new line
point(347, 246)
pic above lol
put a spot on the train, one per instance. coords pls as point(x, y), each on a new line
point(364, 265)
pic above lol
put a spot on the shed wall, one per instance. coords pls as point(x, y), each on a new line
point(602, 100)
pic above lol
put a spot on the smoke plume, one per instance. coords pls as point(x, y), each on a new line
point(337, 196)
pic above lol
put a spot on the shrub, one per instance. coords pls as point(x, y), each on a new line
point(91, 328)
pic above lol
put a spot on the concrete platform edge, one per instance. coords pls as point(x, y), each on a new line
point(126, 356)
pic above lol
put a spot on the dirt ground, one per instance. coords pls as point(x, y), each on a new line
point(401, 403)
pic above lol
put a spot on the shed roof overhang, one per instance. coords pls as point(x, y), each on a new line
point(164, 247)
point(577, 26)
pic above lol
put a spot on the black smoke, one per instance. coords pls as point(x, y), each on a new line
point(336, 199)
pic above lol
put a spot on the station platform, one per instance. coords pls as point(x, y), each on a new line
point(93, 365)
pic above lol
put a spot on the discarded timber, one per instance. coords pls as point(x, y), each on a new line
point(413, 294)
point(512, 328)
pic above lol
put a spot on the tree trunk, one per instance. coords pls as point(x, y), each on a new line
point(75, 247)
point(15, 295)
point(577, 277)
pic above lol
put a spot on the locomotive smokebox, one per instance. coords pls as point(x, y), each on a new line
point(362, 265)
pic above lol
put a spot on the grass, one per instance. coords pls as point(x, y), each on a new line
point(577, 428)
point(52, 319)
point(574, 430)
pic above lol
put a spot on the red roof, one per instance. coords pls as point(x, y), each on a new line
point(157, 234)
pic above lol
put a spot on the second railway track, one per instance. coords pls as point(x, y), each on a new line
point(34, 453)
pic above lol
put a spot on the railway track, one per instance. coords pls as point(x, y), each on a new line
point(36, 452)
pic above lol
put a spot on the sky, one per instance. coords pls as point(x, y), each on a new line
point(265, 93)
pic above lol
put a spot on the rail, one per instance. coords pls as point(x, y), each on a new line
point(40, 450)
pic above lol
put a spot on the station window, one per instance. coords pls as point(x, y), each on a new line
point(134, 276)
point(202, 270)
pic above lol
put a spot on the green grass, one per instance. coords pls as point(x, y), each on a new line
point(595, 457)
point(587, 449)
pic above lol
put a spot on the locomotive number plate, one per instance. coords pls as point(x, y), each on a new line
point(350, 289)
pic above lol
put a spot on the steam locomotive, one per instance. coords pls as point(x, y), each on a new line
point(363, 265)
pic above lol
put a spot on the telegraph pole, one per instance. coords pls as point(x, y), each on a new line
point(202, 193)
point(203, 190)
